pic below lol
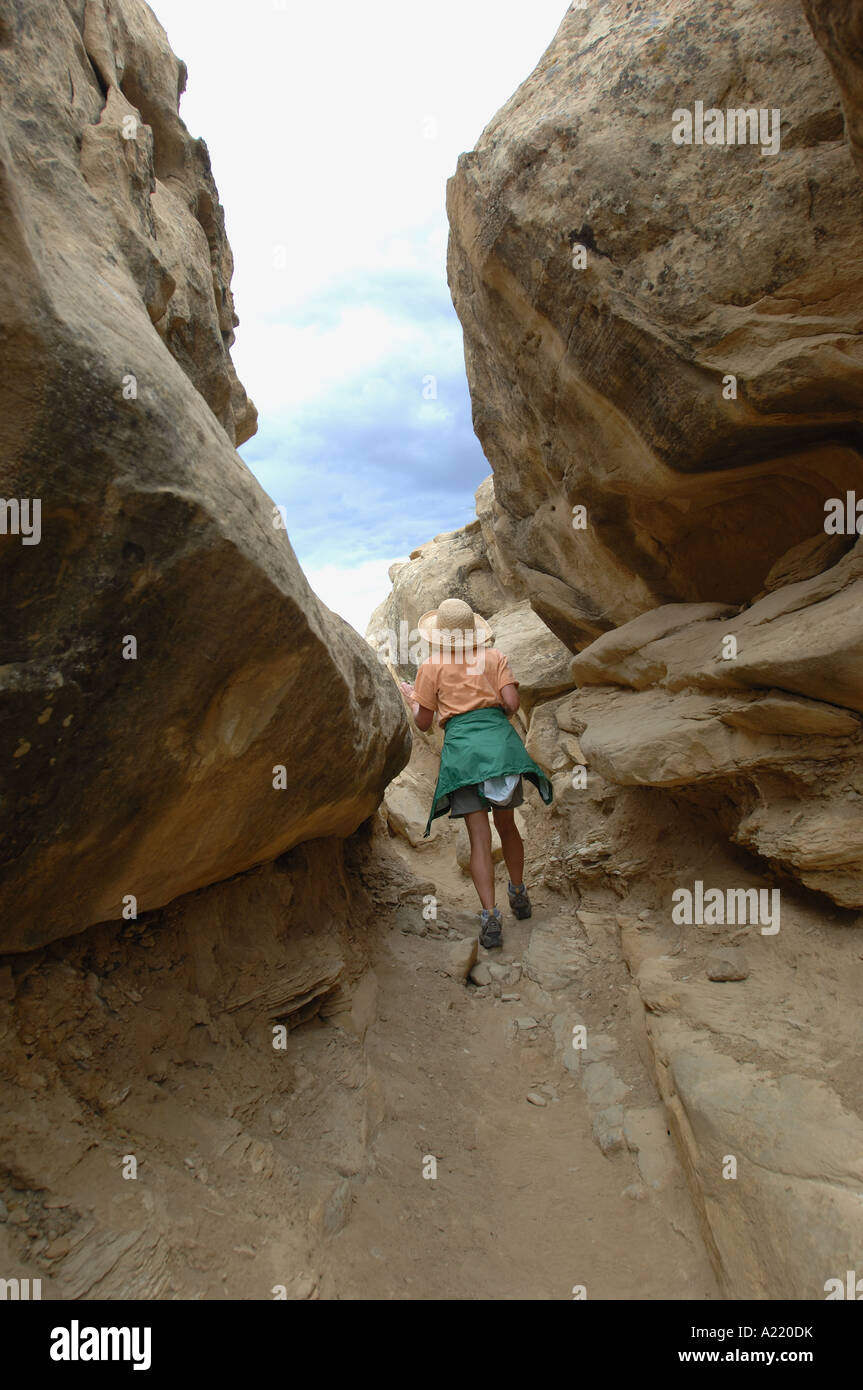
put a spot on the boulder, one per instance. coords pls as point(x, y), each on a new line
point(677, 375)
point(177, 705)
point(775, 725)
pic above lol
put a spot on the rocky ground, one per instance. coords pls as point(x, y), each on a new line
point(541, 1185)
point(304, 1167)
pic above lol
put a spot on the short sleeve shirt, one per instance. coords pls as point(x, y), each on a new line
point(453, 687)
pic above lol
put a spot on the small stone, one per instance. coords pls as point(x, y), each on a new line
point(462, 958)
point(608, 1129)
point(31, 1080)
point(417, 928)
point(510, 998)
point(18, 1216)
point(525, 1023)
point(536, 1098)
point(481, 974)
point(57, 1249)
point(727, 963)
point(603, 1086)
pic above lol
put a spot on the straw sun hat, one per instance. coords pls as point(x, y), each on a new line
point(454, 623)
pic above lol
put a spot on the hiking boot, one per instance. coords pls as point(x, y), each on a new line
point(519, 901)
point(491, 928)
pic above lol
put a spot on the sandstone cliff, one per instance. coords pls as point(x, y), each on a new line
point(603, 387)
point(164, 662)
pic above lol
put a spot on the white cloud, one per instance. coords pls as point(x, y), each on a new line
point(314, 116)
point(352, 591)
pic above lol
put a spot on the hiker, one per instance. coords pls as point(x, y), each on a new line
point(471, 687)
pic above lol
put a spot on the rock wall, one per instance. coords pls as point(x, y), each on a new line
point(164, 664)
point(604, 387)
point(662, 343)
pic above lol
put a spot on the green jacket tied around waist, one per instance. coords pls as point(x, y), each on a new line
point(478, 744)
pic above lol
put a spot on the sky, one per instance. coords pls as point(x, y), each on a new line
point(332, 129)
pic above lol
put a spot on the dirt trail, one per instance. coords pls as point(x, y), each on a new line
point(525, 1204)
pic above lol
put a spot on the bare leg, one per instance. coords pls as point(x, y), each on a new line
point(511, 842)
point(481, 866)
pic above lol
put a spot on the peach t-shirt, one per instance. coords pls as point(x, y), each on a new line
point(453, 687)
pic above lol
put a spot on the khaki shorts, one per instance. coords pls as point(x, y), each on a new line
point(466, 799)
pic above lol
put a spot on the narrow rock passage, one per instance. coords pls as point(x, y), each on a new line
point(525, 1204)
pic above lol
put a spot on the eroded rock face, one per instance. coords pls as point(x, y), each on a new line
point(162, 654)
point(771, 723)
point(603, 387)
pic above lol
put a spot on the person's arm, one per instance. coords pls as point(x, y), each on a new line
point(422, 717)
point(508, 686)
point(510, 697)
